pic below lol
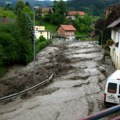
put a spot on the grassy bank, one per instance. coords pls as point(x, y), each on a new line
point(48, 26)
point(7, 13)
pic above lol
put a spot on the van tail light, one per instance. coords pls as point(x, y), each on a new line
point(104, 96)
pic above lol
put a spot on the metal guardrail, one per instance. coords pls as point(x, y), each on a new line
point(26, 90)
point(103, 113)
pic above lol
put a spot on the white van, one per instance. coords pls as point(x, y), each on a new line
point(112, 89)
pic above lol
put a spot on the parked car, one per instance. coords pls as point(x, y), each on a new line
point(112, 89)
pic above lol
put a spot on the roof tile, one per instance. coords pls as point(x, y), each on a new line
point(68, 27)
point(73, 13)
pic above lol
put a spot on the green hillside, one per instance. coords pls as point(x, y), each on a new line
point(7, 13)
point(94, 7)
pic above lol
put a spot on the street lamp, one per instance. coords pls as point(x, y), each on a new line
point(34, 51)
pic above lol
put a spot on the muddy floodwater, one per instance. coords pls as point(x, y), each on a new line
point(76, 90)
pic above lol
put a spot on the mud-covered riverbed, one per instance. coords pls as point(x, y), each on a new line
point(76, 90)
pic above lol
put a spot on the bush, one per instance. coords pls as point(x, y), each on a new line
point(41, 38)
point(8, 48)
point(41, 43)
point(13, 47)
point(109, 42)
point(25, 52)
point(77, 37)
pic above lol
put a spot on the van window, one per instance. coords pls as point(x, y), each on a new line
point(112, 87)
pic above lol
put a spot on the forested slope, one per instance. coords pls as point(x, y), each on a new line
point(94, 7)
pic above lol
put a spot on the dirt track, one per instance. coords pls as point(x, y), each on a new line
point(76, 90)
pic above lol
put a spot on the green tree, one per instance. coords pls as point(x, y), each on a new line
point(99, 24)
point(27, 10)
point(27, 4)
point(19, 5)
point(25, 29)
point(41, 43)
point(9, 41)
point(59, 10)
point(83, 24)
point(39, 16)
point(6, 13)
point(8, 47)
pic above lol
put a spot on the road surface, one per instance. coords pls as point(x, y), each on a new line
point(75, 92)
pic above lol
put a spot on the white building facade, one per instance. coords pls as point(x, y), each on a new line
point(115, 48)
point(40, 31)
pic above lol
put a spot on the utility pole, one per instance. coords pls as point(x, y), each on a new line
point(34, 51)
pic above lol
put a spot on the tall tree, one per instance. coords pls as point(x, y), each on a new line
point(25, 29)
point(83, 24)
point(19, 5)
point(27, 4)
point(27, 10)
point(99, 24)
point(59, 10)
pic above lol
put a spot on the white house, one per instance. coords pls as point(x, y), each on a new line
point(115, 48)
point(40, 31)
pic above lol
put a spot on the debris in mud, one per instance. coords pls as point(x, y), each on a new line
point(63, 62)
point(19, 83)
point(47, 91)
point(26, 95)
point(80, 85)
point(57, 64)
point(90, 107)
point(82, 76)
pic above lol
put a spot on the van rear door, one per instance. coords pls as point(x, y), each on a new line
point(112, 94)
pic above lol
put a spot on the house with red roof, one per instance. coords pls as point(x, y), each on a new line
point(72, 14)
point(67, 31)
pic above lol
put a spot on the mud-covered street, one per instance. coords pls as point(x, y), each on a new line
point(76, 90)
